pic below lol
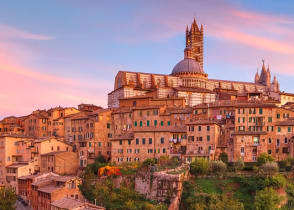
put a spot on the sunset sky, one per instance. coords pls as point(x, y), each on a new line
point(65, 52)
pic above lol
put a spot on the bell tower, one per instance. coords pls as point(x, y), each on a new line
point(194, 40)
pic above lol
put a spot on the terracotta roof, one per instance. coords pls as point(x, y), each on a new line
point(64, 178)
point(53, 153)
point(288, 122)
point(202, 122)
point(190, 89)
point(248, 133)
point(17, 165)
point(50, 188)
point(124, 136)
point(70, 204)
point(172, 129)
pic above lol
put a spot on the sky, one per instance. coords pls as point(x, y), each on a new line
point(67, 52)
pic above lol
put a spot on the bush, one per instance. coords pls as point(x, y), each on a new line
point(224, 157)
point(267, 199)
point(263, 158)
point(205, 201)
point(218, 167)
point(149, 162)
point(269, 168)
point(239, 165)
point(249, 166)
point(275, 182)
point(200, 166)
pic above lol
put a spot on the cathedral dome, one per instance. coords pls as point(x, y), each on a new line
point(187, 65)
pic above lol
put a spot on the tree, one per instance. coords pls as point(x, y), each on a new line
point(213, 202)
point(239, 165)
point(224, 157)
point(200, 166)
point(7, 198)
point(218, 167)
point(263, 158)
point(269, 168)
point(267, 199)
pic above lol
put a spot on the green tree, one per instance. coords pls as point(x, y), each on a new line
point(238, 165)
point(263, 158)
point(224, 157)
point(218, 167)
point(200, 166)
point(267, 199)
point(7, 198)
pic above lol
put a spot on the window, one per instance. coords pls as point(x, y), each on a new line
point(155, 122)
point(270, 119)
point(289, 129)
point(148, 123)
point(143, 141)
point(208, 138)
point(208, 128)
point(199, 128)
point(260, 111)
point(150, 140)
point(108, 125)
point(269, 140)
point(242, 150)
point(278, 116)
point(137, 141)
point(269, 151)
point(161, 123)
point(163, 150)
point(134, 103)
point(129, 142)
point(279, 129)
point(135, 123)
point(141, 123)
point(168, 123)
point(155, 112)
point(285, 150)
point(286, 141)
point(120, 142)
point(162, 140)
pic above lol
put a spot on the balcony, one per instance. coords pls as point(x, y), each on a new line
point(91, 150)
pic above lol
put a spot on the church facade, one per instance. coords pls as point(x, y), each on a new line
point(188, 80)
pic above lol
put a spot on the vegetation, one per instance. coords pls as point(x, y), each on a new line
point(7, 198)
point(267, 199)
point(203, 166)
point(224, 157)
point(269, 168)
point(263, 158)
point(200, 166)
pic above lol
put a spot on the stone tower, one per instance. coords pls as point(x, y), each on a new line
point(194, 40)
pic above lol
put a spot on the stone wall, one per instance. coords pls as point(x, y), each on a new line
point(161, 186)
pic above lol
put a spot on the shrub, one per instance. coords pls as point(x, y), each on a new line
point(205, 201)
point(249, 166)
point(267, 199)
point(263, 158)
point(239, 165)
point(218, 167)
point(290, 190)
point(149, 162)
point(200, 166)
point(269, 168)
point(224, 157)
point(275, 182)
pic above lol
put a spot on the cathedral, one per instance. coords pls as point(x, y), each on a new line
point(188, 80)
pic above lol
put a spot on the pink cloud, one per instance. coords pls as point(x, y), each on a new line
point(9, 32)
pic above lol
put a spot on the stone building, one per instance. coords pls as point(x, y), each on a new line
point(60, 162)
point(188, 79)
point(41, 190)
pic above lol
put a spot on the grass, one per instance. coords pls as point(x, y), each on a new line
point(228, 186)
